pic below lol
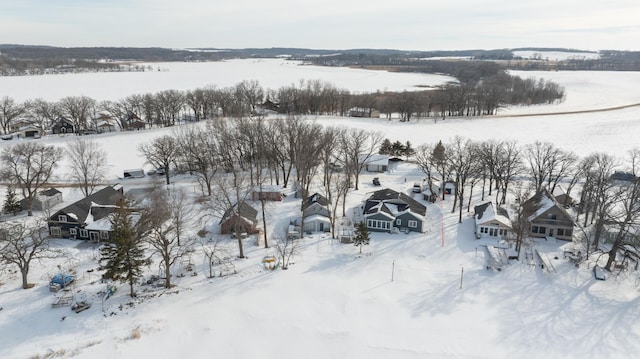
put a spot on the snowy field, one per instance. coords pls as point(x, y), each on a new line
point(271, 73)
point(334, 303)
point(556, 55)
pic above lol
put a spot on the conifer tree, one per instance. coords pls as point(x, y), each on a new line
point(11, 203)
point(124, 255)
point(362, 236)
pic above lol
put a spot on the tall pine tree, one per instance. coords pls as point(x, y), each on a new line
point(362, 236)
point(124, 255)
point(11, 203)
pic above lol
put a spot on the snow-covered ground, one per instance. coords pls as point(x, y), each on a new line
point(335, 303)
point(271, 73)
point(556, 55)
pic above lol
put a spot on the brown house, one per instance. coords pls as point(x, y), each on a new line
point(550, 218)
point(243, 218)
point(267, 193)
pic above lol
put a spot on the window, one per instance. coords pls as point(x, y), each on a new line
point(73, 232)
point(398, 222)
point(83, 233)
point(560, 232)
point(534, 229)
point(413, 224)
point(542, 230)
point(377, 224)
point(56, 231)
point(553, 216)
point(568, 232)
point(104, 235)
point(62, 218)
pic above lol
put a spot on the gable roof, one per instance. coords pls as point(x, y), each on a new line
point(244, 210)
point(544, 201)
point(313, 199)
point(50, 192)
point(485, 213)
point(107, 198)
point(389, 196)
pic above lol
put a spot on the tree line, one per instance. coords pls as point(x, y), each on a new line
point(313, 97)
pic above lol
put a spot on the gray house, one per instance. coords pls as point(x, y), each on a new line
point(43, 200)
point(87, 218)
point(315, 211)
point(387, 209)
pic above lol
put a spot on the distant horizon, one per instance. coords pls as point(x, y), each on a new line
point(413, 25)
point(520, 48)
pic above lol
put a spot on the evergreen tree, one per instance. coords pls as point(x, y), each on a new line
point(124, 255)
point(385, 147)
point(408, 150)
point(11, 203)
point(397, 148)
point(362, 236)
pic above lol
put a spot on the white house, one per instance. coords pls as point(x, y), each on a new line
point(375, 162)
point(491, 222)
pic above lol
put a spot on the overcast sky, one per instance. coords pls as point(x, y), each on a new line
point(324, 24)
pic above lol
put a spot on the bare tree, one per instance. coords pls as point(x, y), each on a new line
point(462, 159)
point(251, 93)
point(600, 194)
point(29, 165)
point(166, 221)
point(426, 162)
point(215, 254)
point(508, 165)
point(286, 247)
point(198, 155)
point(523, 208)
point(9, 110)
point(87, 164)
point(21, 243)
point(231, 193)
point(627, 212)
point(358, 148)
point(41, 112)
point(78, 109)
point(161, 152)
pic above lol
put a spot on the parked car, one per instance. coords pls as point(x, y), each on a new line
point(376, 181)
point(417, 188)
point(160, 171)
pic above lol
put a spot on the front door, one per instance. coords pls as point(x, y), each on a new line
point(550, 232)
point(321, 227)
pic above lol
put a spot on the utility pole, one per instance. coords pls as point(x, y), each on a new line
point(461, 276)
point(393, 269)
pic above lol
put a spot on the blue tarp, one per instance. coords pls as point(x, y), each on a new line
point(62, 279)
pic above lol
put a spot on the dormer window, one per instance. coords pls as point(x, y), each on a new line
point(62, 218)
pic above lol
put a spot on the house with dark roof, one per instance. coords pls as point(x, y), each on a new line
point(87, 218)
point(386, 209)
point(550, 219)
point(491, 222)
point(62, 125)
point(43, 200)
point(315, 211)
point(242, 218)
